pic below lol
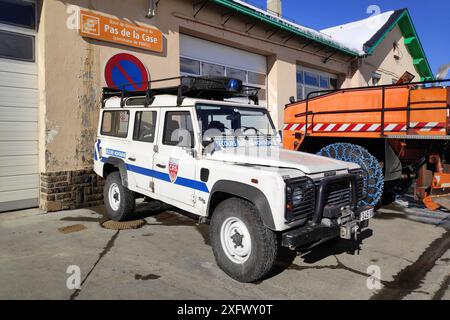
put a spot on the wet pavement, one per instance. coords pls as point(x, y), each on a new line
point(170, 258)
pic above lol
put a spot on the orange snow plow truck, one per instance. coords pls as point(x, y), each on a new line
point(400, 135)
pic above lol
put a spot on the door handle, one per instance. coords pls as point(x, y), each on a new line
point(160, 165)
point(131, 159)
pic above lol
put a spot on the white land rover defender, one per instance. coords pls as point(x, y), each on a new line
point(191, 147)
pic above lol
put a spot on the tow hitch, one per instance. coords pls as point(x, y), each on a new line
point(351, 225)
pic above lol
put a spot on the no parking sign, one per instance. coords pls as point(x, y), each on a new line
point(125, 71)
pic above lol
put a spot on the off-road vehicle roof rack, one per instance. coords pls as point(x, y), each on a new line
point(213, 88)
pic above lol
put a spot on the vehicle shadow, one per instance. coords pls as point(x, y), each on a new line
point(310, 256)
point(334, 247)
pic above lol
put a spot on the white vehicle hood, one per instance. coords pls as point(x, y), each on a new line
point(278, 157)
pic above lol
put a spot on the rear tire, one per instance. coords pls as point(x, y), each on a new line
point(119, 201)
point(243, 247)
point(374, 182)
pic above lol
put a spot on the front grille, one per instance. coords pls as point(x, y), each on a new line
point(338, 194)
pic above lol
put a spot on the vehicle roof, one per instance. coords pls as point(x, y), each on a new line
point(168, 101)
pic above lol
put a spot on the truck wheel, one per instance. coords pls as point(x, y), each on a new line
point(119, 201)
point(374, 181)
point(243, 247)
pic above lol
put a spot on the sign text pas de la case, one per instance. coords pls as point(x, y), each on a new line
point(96, 26)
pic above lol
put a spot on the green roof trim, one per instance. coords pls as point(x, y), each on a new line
point(283, 25)
point(410, 40)
point(412, 43)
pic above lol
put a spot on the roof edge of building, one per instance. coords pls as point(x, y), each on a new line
point(286, 25)
point(402, 18)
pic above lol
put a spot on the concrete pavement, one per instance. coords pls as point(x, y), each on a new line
point(170, 258)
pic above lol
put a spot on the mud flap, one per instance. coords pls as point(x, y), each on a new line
point(439, 195)
point(443, 202)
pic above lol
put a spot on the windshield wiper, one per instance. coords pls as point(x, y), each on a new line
point(256, 130)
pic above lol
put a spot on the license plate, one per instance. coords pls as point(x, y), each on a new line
point(366, 215)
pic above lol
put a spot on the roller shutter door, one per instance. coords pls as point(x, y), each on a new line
point(200, 57)
point(19, 176)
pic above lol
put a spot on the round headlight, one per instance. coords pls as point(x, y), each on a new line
point(297, 197)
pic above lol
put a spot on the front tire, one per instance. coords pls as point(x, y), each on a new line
point(119, 201)
point(243, 247)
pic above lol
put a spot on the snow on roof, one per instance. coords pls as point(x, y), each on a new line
point(309, 31)
point(351, 36)
point(356, 34)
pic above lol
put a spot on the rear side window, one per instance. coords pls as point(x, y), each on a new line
point(115, 123)
point(178, 129)
point(145, 126)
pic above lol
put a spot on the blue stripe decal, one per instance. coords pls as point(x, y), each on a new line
point(148, 172)
point(96, 149)
point(183, 182)
point(193, 184)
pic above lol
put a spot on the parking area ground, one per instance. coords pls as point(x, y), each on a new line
point(170, 258)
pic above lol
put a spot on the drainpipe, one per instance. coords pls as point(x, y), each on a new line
point(274, 7)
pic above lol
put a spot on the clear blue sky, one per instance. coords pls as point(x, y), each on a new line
point(430, 17)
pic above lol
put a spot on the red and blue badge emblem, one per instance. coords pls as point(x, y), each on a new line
point(173, 169)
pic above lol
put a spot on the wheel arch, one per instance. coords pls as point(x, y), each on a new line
point(115, 164)
point(225, 189)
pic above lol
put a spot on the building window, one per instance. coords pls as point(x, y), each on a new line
point(193, 67)
point(376, 77)
point(145, 126)
point(115, 123)
point(324, 82)
point(17, 46)
point(258, 79)
point(309, 81)
point(19, 13)
point(211, 69)
point(190, 66)
point(237, 74)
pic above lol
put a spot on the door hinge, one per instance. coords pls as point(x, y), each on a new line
point(193, 198)
point(151, 186)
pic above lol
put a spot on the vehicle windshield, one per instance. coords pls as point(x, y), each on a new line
point(218, 120)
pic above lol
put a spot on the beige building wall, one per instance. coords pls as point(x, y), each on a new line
point(384, 62)
point(71, 76)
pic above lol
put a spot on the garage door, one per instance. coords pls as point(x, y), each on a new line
point(200, 57)
point(19, 178)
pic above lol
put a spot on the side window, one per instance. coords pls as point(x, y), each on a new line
point(145, 126)
point(178, 129)
point(115, 123)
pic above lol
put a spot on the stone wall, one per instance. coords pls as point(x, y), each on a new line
point(70, 190)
